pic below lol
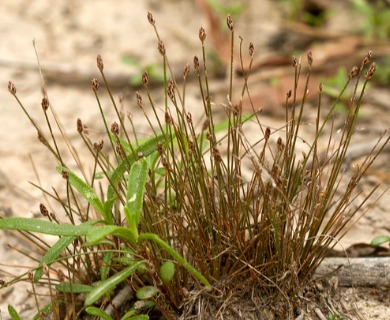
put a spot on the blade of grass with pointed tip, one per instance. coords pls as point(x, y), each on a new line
point(146, 148)
point(87, 192)
point(109, 284)
point(100, 232)
point(135, 192)
point(67, 287)
point(52, 254)
point(93, 311)
point(13, 313)
point(46, 227)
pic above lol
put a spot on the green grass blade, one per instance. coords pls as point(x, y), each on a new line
point(98, 233)
point(379, 240)
point(52, 254)
point(155, 238)
point(135, 191)
point(67, 287)
point(46, 227)
point(146, 149)
point(93, 311)
point(87, 192)
point(105, 268)
point(108, 285)
point(13, 313)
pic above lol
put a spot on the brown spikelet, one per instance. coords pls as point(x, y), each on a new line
point(251, 49)
point(289, 93)
point(145, 78)
point(320, 87)
point(43, 210)
point(295, 62)
point(267, 133)
point(65, 175)
point(139, 100)
point(151, 18)
point(367, 58)
point(309, 57)
point(353, 72)
point(186, 71)
point(45, 103)
point(161, 48)
point(202, 34)
point(95, 85)
point(196, 63)
point(115, 128)
point(80, 127)
point(99, 62)
point(11, 88)
point(98, 146)
point(229, 22)
point(370, 72)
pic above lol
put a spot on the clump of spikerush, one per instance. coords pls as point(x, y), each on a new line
point(178, 214)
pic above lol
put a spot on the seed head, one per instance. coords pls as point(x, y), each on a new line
point(196, 63)
point(43, 210)
point(186, 71)
point(320, 87)
point(95, 85)
point(11, 88)
point(189, 117)
point(145, 78)
point(139, 100)
point(151, 19)
point(251, 49)
point(168, 118)
point(289, 93)
point(115, 128)
point(229, 22)
point(98, 145)
point(353, 73)
point(295, 62)
point(45, 103)
point(371, 71)
point(202, 34)
point(65, 174)
point(161, 48)
point(171, 89)
point(267, 133)
point(80, 127)
point(367, 58)
point(217, 155)
point(45, 269)
point(99, 62)
point(309, 58)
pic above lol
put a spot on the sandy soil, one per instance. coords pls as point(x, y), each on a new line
point(73, 33)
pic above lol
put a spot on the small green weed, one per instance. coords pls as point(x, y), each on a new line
point(170, 225)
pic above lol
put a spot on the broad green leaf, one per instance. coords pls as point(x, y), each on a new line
point(100, 232)
point(46, 309)
point(380, 240)
point(93, 311)
point(13, 313)
point(135, 191)
point(105, 268)
point(52, 254)
point(146, 148)
point(67, 287)
point(167, 271)
point(109, 284)
point(137, 317)
point(46, 227)
point(155, 238)
point(87, 192)
point(146, 292)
